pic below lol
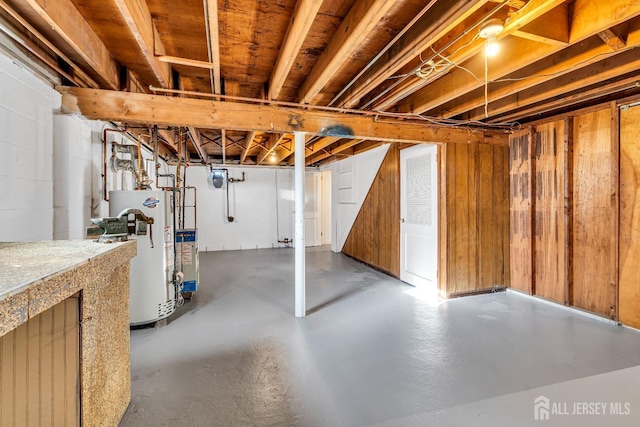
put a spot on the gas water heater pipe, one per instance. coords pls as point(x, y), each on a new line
point(175, 276)
point(105, 193)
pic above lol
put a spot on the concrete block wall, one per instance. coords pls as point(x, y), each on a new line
point(26, 154)
point(72, 175)
point(50, 164)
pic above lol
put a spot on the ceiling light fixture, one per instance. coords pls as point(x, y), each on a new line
point(492, 47)
point(489, 30)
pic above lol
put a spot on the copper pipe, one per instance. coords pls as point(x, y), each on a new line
point(105, 197)
point(139, 164)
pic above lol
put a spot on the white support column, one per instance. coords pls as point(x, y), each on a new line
point(299, 225)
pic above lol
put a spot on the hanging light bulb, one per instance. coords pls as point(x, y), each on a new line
point(272, 156)
point(489, 30)
point(492, 47)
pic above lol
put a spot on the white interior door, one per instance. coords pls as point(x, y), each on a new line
point(419, 215)
point(312, 206)
point(326, 207)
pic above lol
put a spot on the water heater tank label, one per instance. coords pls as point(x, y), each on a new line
point(169, 255)
point(151, 202)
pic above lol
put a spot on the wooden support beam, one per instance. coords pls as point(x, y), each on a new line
point(612, 39)
point(283, 152)
point(363, 16)
point(61, 20)
point(550, 28)
point(325, 153)
point(468, 46)
point(223, 145)
point(303, 16)
point(248, 145)
point(186, 62)
point(211, 17)
point(189, 112)
point(619, 65)
point(322, 143)
point(274, 140)
point(574, 98)
point(439, 19)
point(77, 71)
point(587, 19)
point(573, 58)
point(419, 101)
point(137, 17)
point(197, 143)
point(170, 139)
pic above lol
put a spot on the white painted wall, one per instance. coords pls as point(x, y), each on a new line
point(119, 180)
point(326, 206)
point(262, 208)
point(351, 179)
point(26, 154)
point(50, 165)
point(72, 174)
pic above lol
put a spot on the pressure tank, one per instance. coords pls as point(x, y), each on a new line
point(151, 290)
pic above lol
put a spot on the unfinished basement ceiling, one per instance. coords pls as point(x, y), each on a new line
point(405, 57)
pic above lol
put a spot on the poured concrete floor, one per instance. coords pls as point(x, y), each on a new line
point(371, 351)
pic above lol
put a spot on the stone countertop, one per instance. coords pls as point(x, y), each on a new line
point(24, 264)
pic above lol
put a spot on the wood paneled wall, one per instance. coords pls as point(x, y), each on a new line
point(629, 295)
point(474, 218)
point(40, 369)
point(549, 226)
point(573, 172)
point(375, 236)
point(521, 211)
point(594, 283)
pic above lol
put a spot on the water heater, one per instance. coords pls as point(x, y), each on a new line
point(152, 293)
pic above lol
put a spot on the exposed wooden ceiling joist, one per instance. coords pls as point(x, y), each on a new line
point(186, 62)
point(137, 17)
point(248, 145)
point(573, 58)
point(321, 143)
point(303, 16)
point(274, 141)
point(583, 25)
point(170, 139)
point(568, 100)
point(550, 28)
point(434, 93)
point(62, 20)
point(356, 53)
point(619, 65)
point(75, 68)
point(197, 143)
point(612, 40)
point(441, 18)
point(331, 151)
point(172, 111)
point(361, 19)
point(211, 18)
